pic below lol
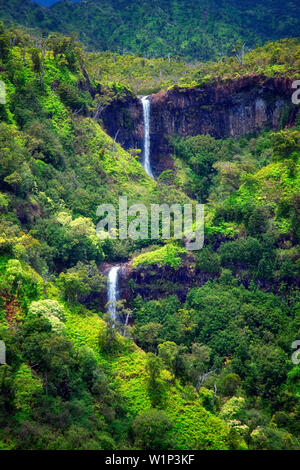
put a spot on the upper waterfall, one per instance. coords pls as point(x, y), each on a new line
point(146, 157)
point(112, 291)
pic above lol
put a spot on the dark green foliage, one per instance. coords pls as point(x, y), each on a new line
point(208, 261)
point(155, 387)
point(54, 400)
point(229, 384)
point(200, 153)
point(74, 99)
point(241, 254)
point(81, 282)
point(198, 30)
point(152, 430)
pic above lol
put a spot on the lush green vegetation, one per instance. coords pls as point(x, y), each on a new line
point(73, 379)
point(243, 321)
point(144, 76)
point(168, 255)
point(201, 30)
point(68, 372)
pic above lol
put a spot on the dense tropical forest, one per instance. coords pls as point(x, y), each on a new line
point(195, 30)
point(200, 356)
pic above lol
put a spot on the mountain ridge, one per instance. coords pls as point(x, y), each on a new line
point(202, 30)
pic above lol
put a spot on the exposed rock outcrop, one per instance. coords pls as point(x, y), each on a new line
point(153, 282)
point(234, 108)
point(123, 118)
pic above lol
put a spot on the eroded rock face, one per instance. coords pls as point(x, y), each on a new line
point(238, 107)
point(154, 282)
point(124, 118)
point(233, 109)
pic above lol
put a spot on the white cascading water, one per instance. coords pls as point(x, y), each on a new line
point(112, 291)
point(146, 114)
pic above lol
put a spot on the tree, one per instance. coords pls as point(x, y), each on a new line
point(202, 379)
point(36, 62)
point(241, 253)
point(168, 351)
point(134, 153)
point(148, 336)
point(196, 362)
point(108, 339)
point(154, 367)
point(73, 284)
point(52, 310)
point(266, 371)
point(47, 308)
point(286, 144)
point(27, 389)
point(44, 144)
point(229, 384)
point(152, 429)
point(16, 276)
point(53, 357)
point(208, 261)
point(13, 152)
point(258, 221)
point(4, 44)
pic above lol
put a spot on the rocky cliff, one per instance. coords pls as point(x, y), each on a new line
point(234, 108)
point(123, 118)
point(153, 282)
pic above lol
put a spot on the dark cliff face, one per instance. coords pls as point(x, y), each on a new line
point(235, 108)
point(123, 118)
point(154, 282)
point(226, 110)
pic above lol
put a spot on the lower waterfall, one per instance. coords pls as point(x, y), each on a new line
point(113, 291)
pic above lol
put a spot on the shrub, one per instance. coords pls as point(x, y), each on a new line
point(48, 308)
point(168, 255)
point(208, 261)
point(53, 311)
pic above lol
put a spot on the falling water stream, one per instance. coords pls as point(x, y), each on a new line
point(146, 114)
point(112, 277)
point(113, 291)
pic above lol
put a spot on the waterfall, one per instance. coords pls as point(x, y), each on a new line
point(112, 291)
point(146, 114)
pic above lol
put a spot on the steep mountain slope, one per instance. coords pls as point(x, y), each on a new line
point(74, 378)
point(71, 381)
point(202, 29)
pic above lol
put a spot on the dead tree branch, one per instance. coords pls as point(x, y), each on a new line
point(202, 378)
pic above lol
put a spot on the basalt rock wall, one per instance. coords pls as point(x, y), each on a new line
point(234, 108)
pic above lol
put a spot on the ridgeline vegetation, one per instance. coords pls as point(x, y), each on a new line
point(198, 30)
